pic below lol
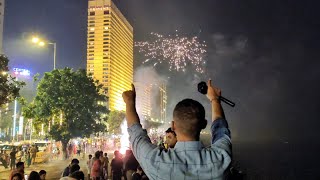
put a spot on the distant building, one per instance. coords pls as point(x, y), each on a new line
point(110, 50)
point(1, 24)
point(151, 101)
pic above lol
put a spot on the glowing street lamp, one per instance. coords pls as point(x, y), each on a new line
point(35, 40)
point(42, 43)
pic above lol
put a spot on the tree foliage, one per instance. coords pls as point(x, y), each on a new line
point(73, 96)
point(115, 120)
point(9, 86)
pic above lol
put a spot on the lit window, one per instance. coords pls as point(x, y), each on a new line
point(92, 29)
point(91, 43)
point(106, 28)
point(106, 12)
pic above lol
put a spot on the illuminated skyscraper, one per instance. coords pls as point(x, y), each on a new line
point(151, 101)
point(110, 50)
point(1, 24)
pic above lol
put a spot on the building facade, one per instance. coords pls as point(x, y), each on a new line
point(151, 101)
point(1, 24)
point(110, 50)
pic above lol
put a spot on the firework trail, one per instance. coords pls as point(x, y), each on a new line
point(178, 52)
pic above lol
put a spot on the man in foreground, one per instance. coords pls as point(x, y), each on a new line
point(188, 159)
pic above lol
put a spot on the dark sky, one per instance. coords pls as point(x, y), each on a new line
point(263, 54)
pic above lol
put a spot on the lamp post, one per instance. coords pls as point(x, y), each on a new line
point(42, 43)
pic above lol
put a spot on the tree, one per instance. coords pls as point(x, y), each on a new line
point(115, 120)
point(9, 86)
point(72, 98)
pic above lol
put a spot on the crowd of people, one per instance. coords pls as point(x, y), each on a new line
point(180, 156)
point(26, 155)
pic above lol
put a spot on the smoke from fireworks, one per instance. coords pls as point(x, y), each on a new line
point(178, 52)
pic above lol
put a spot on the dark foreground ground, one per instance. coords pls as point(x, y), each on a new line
point(278, 160)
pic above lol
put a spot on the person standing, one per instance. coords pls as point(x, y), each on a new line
point(89, 165)
point(33, 153)
point(13, 158)
point(96, 167)
point(116, 166)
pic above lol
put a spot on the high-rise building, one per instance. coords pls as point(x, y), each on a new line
point(151, 101)
point(1, 24)
point(110, 50)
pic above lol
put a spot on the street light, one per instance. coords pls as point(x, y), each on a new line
point(40, 42)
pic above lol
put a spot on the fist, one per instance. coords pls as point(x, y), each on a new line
point(129, 97)
point(213, 92)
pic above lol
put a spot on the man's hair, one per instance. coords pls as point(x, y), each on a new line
point(189, 117)
point(77, 175)
point(19, 164)
point(97, 154)
point(90, 155)
point(74, 161)
point(169, 130)
point(74, 168)
point(42, 172)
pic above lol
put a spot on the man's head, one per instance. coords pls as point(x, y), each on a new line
point(90, 156)
point(74, 161)
point(42, 174)
point(97, 154)
point(171, 138)
point(79, 175)
point(188, 119)
point(20, 166)
point(105, 154)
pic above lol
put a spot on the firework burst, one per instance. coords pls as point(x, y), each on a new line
point(178, 52)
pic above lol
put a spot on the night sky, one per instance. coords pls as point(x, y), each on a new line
point(264, 54)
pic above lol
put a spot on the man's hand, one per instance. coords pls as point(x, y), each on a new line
point(213, 93)
point(129, 97)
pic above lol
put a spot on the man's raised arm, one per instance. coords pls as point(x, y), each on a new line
point(129, 98)
point(219, 128)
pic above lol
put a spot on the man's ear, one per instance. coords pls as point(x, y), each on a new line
point(173, 126)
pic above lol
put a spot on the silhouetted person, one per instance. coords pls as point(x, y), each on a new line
point(34, 176)
point(116, 166)
point(42, 174)
point(66, 171)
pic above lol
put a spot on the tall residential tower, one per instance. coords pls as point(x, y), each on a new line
point(110, 50)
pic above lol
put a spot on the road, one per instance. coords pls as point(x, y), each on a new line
point(54, 169)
